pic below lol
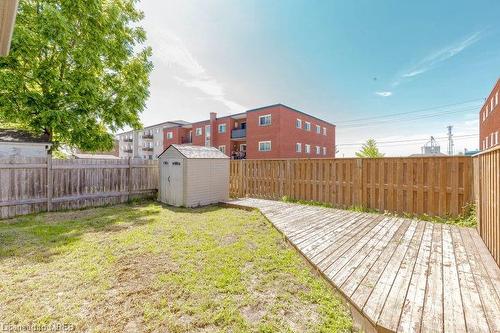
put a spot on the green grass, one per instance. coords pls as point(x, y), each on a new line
point(467, 219)
point(147, 267)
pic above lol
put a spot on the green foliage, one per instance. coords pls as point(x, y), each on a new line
point(76, 70)
point(369, 150)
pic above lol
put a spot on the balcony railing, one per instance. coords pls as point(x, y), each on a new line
point(238, 133)
point(147, 149)
point(127, 150)
point(147, 136)
point(128, 140)
point(185, 140)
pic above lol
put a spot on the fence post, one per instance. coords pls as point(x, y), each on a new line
point(240, 179)
point(49, 183)
point(288, 179)
point(129, 178)
point(359, 188)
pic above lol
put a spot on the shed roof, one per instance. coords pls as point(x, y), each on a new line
point(197, 151)
point(22, 136)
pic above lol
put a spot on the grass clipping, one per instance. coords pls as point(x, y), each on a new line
point(145, 267)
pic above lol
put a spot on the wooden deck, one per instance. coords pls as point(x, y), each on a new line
point(400, 275)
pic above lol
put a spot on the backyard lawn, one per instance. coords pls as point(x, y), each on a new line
point(147, 267)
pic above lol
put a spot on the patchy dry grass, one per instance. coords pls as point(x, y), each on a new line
point(146, 267)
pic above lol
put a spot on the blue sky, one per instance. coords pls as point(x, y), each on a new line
point(337, 60)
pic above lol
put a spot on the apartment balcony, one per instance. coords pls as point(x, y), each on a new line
point(129, 151)
point(128, 140)
point(147, 136)
point(239, 133)
point(147, 149)
point(186, 140)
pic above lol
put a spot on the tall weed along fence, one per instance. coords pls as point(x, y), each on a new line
point(30, 184)
point(431, 185)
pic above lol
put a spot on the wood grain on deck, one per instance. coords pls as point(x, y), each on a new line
point(402, 275)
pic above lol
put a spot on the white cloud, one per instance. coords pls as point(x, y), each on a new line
point(439, 56)
point(172, 51)
point(383, 93)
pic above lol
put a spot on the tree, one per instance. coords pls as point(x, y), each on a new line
point(77, 70)
point(369, 150)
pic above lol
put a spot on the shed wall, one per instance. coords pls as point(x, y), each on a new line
point(207, 181)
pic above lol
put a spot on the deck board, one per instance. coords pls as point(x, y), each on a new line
point(402, 275)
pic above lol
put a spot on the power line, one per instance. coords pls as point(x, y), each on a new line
point(409, 112)
point(418, 117)
point(408, 140)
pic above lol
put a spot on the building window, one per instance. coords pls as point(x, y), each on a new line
point(222, 128)
point(318, 129)
point(265, 120)
point(318, 150)
point(298, 123)
point(324, 150)
point(156, 143)
point(264, 145)
point(222, 149)
point(496, 99)
point(491, 104)
point(170, 135)
point(324, 130)
point(308, 126)
point(308, 149)
point(198, 131)
point(298, 147)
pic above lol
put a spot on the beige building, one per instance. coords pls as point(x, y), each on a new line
point(20, 143)
point(146, 143)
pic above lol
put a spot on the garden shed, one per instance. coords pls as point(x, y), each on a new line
point(193, 176)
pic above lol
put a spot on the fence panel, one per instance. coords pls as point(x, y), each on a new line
point(30, 185)
point(488, 197)
point(429, 185)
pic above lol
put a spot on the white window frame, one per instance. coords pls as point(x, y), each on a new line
point(265, 116)
point(298, 147)
point(318, 129)
point(222, 126)
point(324, 130)
point(307, 126)
point(222, 148)
point(262, 145)
point(318, 150)
point(324, 151)
point(307, 149)
point(298, 123)
point(496, 98)
point(198, 131)
point(170, 135)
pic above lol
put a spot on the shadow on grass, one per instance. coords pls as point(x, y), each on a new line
point(36, 237)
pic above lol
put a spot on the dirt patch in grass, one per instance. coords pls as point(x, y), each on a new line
point(150, 268)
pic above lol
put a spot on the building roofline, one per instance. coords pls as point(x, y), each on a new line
point(290, 108)
point(155, 125)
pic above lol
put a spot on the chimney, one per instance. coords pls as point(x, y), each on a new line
point(213, 118)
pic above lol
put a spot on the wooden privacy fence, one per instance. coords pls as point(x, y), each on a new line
point(29, 185)
point(429, 185)
point(487, 184)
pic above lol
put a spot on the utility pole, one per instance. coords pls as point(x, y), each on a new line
point(450, 140)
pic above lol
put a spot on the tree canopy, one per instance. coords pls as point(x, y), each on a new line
point(77, 70)
point(369, 150)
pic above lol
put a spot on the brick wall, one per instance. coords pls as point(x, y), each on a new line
point(489, 120)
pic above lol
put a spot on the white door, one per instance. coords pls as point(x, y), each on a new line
point(172, 191)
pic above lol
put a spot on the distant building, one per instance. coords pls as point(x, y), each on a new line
point(146, 143)
point(431, 148)
point(8, 10)
point(113, 152)
point(471, 152)
point(275, 131)
point(489, 120)
point(21, 143)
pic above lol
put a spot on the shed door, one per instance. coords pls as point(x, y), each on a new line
point(175, 184)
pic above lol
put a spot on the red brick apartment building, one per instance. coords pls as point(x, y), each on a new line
point(489, 120)
point(275, 131)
